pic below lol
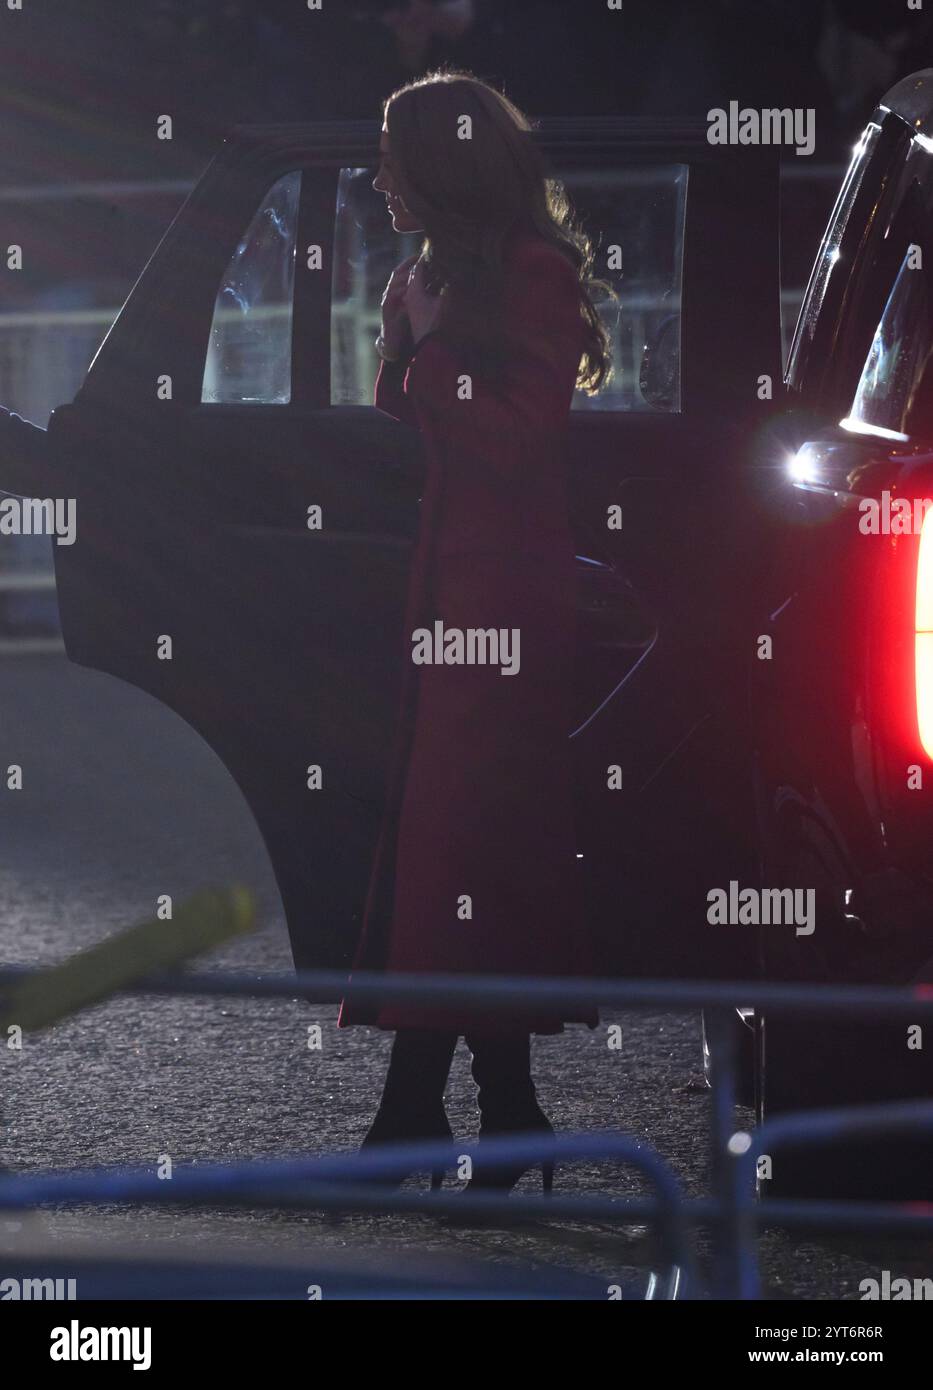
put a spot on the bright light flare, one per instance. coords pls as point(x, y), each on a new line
point(802, 466)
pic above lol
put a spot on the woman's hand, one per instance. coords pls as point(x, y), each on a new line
point(424, 307)
point(395, 325)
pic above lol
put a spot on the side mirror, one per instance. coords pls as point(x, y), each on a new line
point(24, 457)
point(659, 377)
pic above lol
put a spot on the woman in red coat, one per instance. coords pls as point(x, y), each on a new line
point(485, 336)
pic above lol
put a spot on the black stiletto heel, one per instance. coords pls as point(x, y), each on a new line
point(412, 1106)
point(394, 1127)
point(507, 1105)
point(500, 1177)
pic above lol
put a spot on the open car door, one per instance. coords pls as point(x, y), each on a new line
point(245, 516)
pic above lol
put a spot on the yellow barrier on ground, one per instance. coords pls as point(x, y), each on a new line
point(206, 920)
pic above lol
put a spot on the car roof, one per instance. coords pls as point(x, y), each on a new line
point(912, 100)
point(339, 141)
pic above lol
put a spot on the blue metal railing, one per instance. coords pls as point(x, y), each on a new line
point(351, 1182)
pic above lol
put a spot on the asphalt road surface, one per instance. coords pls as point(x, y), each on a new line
point(122, 802)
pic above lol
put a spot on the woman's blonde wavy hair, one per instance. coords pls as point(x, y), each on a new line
point(469, 194)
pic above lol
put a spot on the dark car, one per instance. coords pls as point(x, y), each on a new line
point(842, 710)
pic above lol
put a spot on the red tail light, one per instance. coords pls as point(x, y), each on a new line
point(923, 639)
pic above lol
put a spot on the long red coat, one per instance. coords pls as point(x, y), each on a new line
point(480, 799)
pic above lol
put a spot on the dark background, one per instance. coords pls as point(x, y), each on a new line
point(82, 80)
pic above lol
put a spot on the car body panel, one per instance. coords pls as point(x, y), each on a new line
point(844, 782)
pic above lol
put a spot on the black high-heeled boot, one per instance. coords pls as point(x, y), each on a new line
point(501, 1068)
point(412, 1105)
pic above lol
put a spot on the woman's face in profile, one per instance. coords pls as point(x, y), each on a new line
point(384, 182)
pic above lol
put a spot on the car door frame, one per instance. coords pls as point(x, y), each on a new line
point(731, 214)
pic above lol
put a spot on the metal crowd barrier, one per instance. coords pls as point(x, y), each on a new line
point(351, 1182)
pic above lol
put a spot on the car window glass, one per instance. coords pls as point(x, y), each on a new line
point(828, 254)
point(249, 355)
point(897, 358)
point(634, 216)
point(366, 251)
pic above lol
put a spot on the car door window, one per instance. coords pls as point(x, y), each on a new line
point(636, 219)
point(894, 369)
point(249, 355)
point(829, 250)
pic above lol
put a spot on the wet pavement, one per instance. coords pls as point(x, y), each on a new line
point(121, 803)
